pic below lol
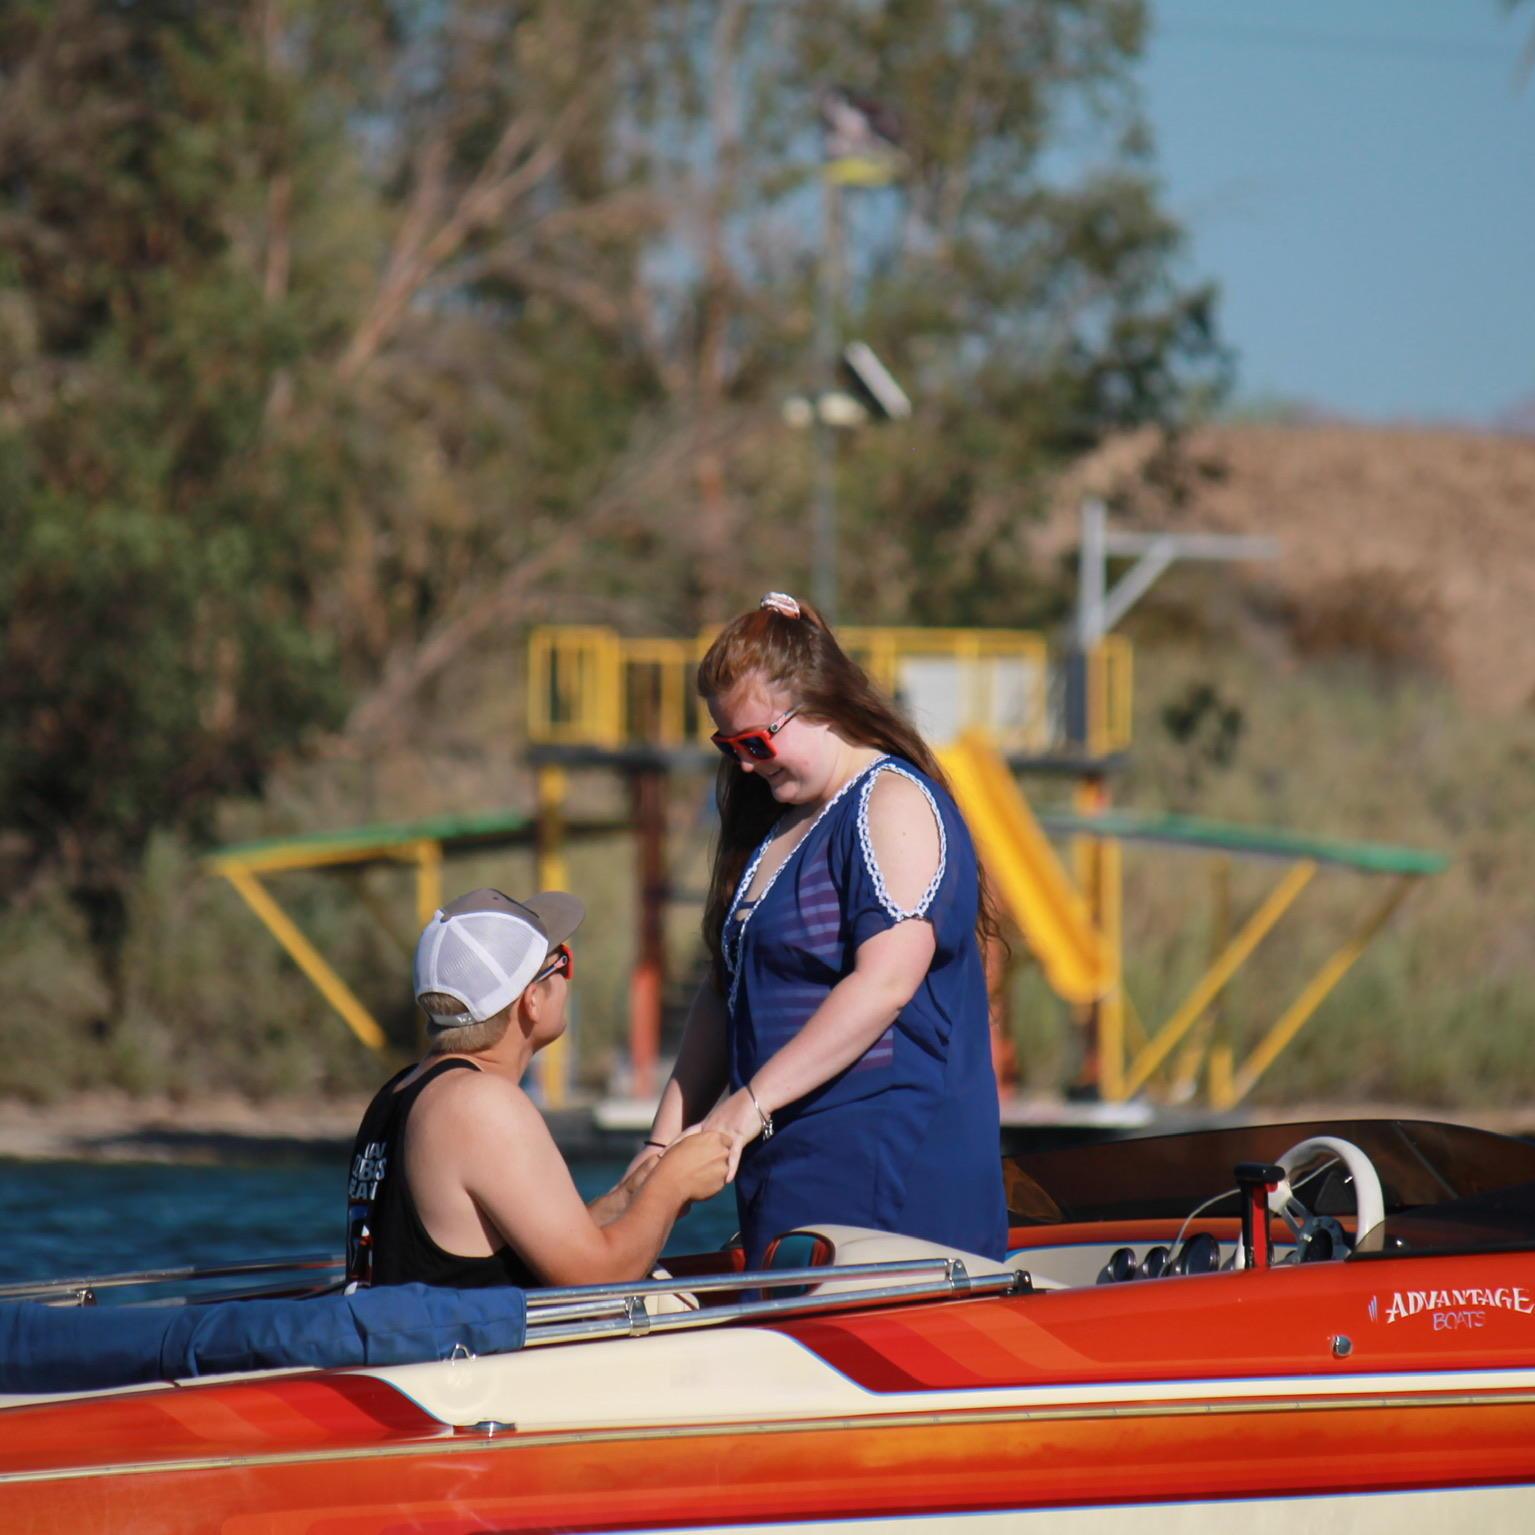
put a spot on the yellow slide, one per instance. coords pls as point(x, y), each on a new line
point(1040, 895)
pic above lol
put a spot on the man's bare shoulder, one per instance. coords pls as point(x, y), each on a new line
point(479, 1105)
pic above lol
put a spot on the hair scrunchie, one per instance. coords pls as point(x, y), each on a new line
point(780, 602)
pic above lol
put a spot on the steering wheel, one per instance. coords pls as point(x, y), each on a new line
point(1321, 1233)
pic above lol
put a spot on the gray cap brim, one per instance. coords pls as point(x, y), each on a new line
point(558, 913)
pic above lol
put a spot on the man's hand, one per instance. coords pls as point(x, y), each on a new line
point(699, 1165)
point(608, 1207)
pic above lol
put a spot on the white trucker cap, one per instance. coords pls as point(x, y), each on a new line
point(484, 948)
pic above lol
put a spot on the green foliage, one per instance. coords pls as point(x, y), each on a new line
point(162, 566)
point(210, 1003)
point(57, 1004)
point(1031, 296)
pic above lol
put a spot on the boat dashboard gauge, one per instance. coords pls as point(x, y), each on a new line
point(1201, 1254)
point(1120, 1267)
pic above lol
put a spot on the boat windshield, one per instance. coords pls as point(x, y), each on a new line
point(1447, 1188)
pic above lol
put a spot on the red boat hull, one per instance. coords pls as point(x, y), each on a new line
point(1086, 1406)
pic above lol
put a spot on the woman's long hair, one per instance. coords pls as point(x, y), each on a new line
point(802, 657)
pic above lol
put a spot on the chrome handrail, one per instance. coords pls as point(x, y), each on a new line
point(572, 1301)
point(739, 1279)
point(636, 1321)
point(41, 1288)
point(565, 1314)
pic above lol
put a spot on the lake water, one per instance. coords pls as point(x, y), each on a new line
point(67, 1219)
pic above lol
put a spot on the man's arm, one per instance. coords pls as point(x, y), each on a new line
point(608, 1207)
point(501, 1150)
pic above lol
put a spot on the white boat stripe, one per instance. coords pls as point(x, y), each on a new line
point(750, 1375)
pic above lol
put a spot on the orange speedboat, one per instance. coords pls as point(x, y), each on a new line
point(1330, 1326)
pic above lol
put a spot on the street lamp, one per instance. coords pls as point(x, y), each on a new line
point(860, 148)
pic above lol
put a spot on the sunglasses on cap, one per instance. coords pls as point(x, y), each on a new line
point(560, 962)
point(755, 745)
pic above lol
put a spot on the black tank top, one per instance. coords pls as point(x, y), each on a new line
point(386, 1242)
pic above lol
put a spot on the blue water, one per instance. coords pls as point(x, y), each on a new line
point(67, 1219)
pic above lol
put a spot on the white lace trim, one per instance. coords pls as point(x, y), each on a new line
point(732, 958)
point(872, 863)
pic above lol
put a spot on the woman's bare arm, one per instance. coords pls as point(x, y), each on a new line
point(697, 1079)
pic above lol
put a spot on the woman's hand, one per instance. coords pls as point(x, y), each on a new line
point(640, 1168)
point(738, 1118)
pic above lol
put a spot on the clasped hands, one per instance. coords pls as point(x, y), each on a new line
point(736, 1118)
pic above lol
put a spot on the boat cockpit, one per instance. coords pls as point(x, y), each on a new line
point(1112, 1213)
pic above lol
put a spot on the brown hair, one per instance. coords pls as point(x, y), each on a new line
point(801, 656)
point(448, 1038)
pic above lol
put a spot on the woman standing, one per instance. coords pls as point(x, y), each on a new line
point(847, 1011)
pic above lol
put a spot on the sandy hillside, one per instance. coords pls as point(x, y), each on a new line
point(1440, 522)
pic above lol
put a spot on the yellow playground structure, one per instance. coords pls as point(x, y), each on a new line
point(995, 704)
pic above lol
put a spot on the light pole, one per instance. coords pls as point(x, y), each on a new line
point(1099, 608)
point(823, 543)
point(859, 149)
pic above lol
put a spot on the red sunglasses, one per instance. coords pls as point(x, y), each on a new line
point(561, 962)
point(754, 744)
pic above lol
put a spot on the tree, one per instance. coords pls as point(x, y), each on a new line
point(168, 533)
point(338, 340)
point(1034, 297)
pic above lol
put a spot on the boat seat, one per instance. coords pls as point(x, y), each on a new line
point(669, 1302)
point(832, 1246)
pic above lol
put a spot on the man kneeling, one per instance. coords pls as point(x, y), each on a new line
point(455, 1178)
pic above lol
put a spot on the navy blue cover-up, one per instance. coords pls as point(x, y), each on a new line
point(907, 1138)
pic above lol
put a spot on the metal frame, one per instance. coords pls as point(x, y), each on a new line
point(1210, 985)
point(577, 1313)
point(606, 1311)
point(422, 846)
point(597, 698)
point(82, 1291)
point(582, 688)
point(1229, 1084)
point(1311, 995)
point(242, 866)
point(583, 681)
point(1099, 609)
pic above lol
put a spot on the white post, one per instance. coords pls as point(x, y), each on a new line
point(1091, 576)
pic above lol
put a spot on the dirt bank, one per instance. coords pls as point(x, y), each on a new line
point(1434, 522)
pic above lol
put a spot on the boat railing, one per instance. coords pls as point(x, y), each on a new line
point(325, 1267)
point(569, 1315)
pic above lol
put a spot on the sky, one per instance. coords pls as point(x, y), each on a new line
point(1358, 176)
